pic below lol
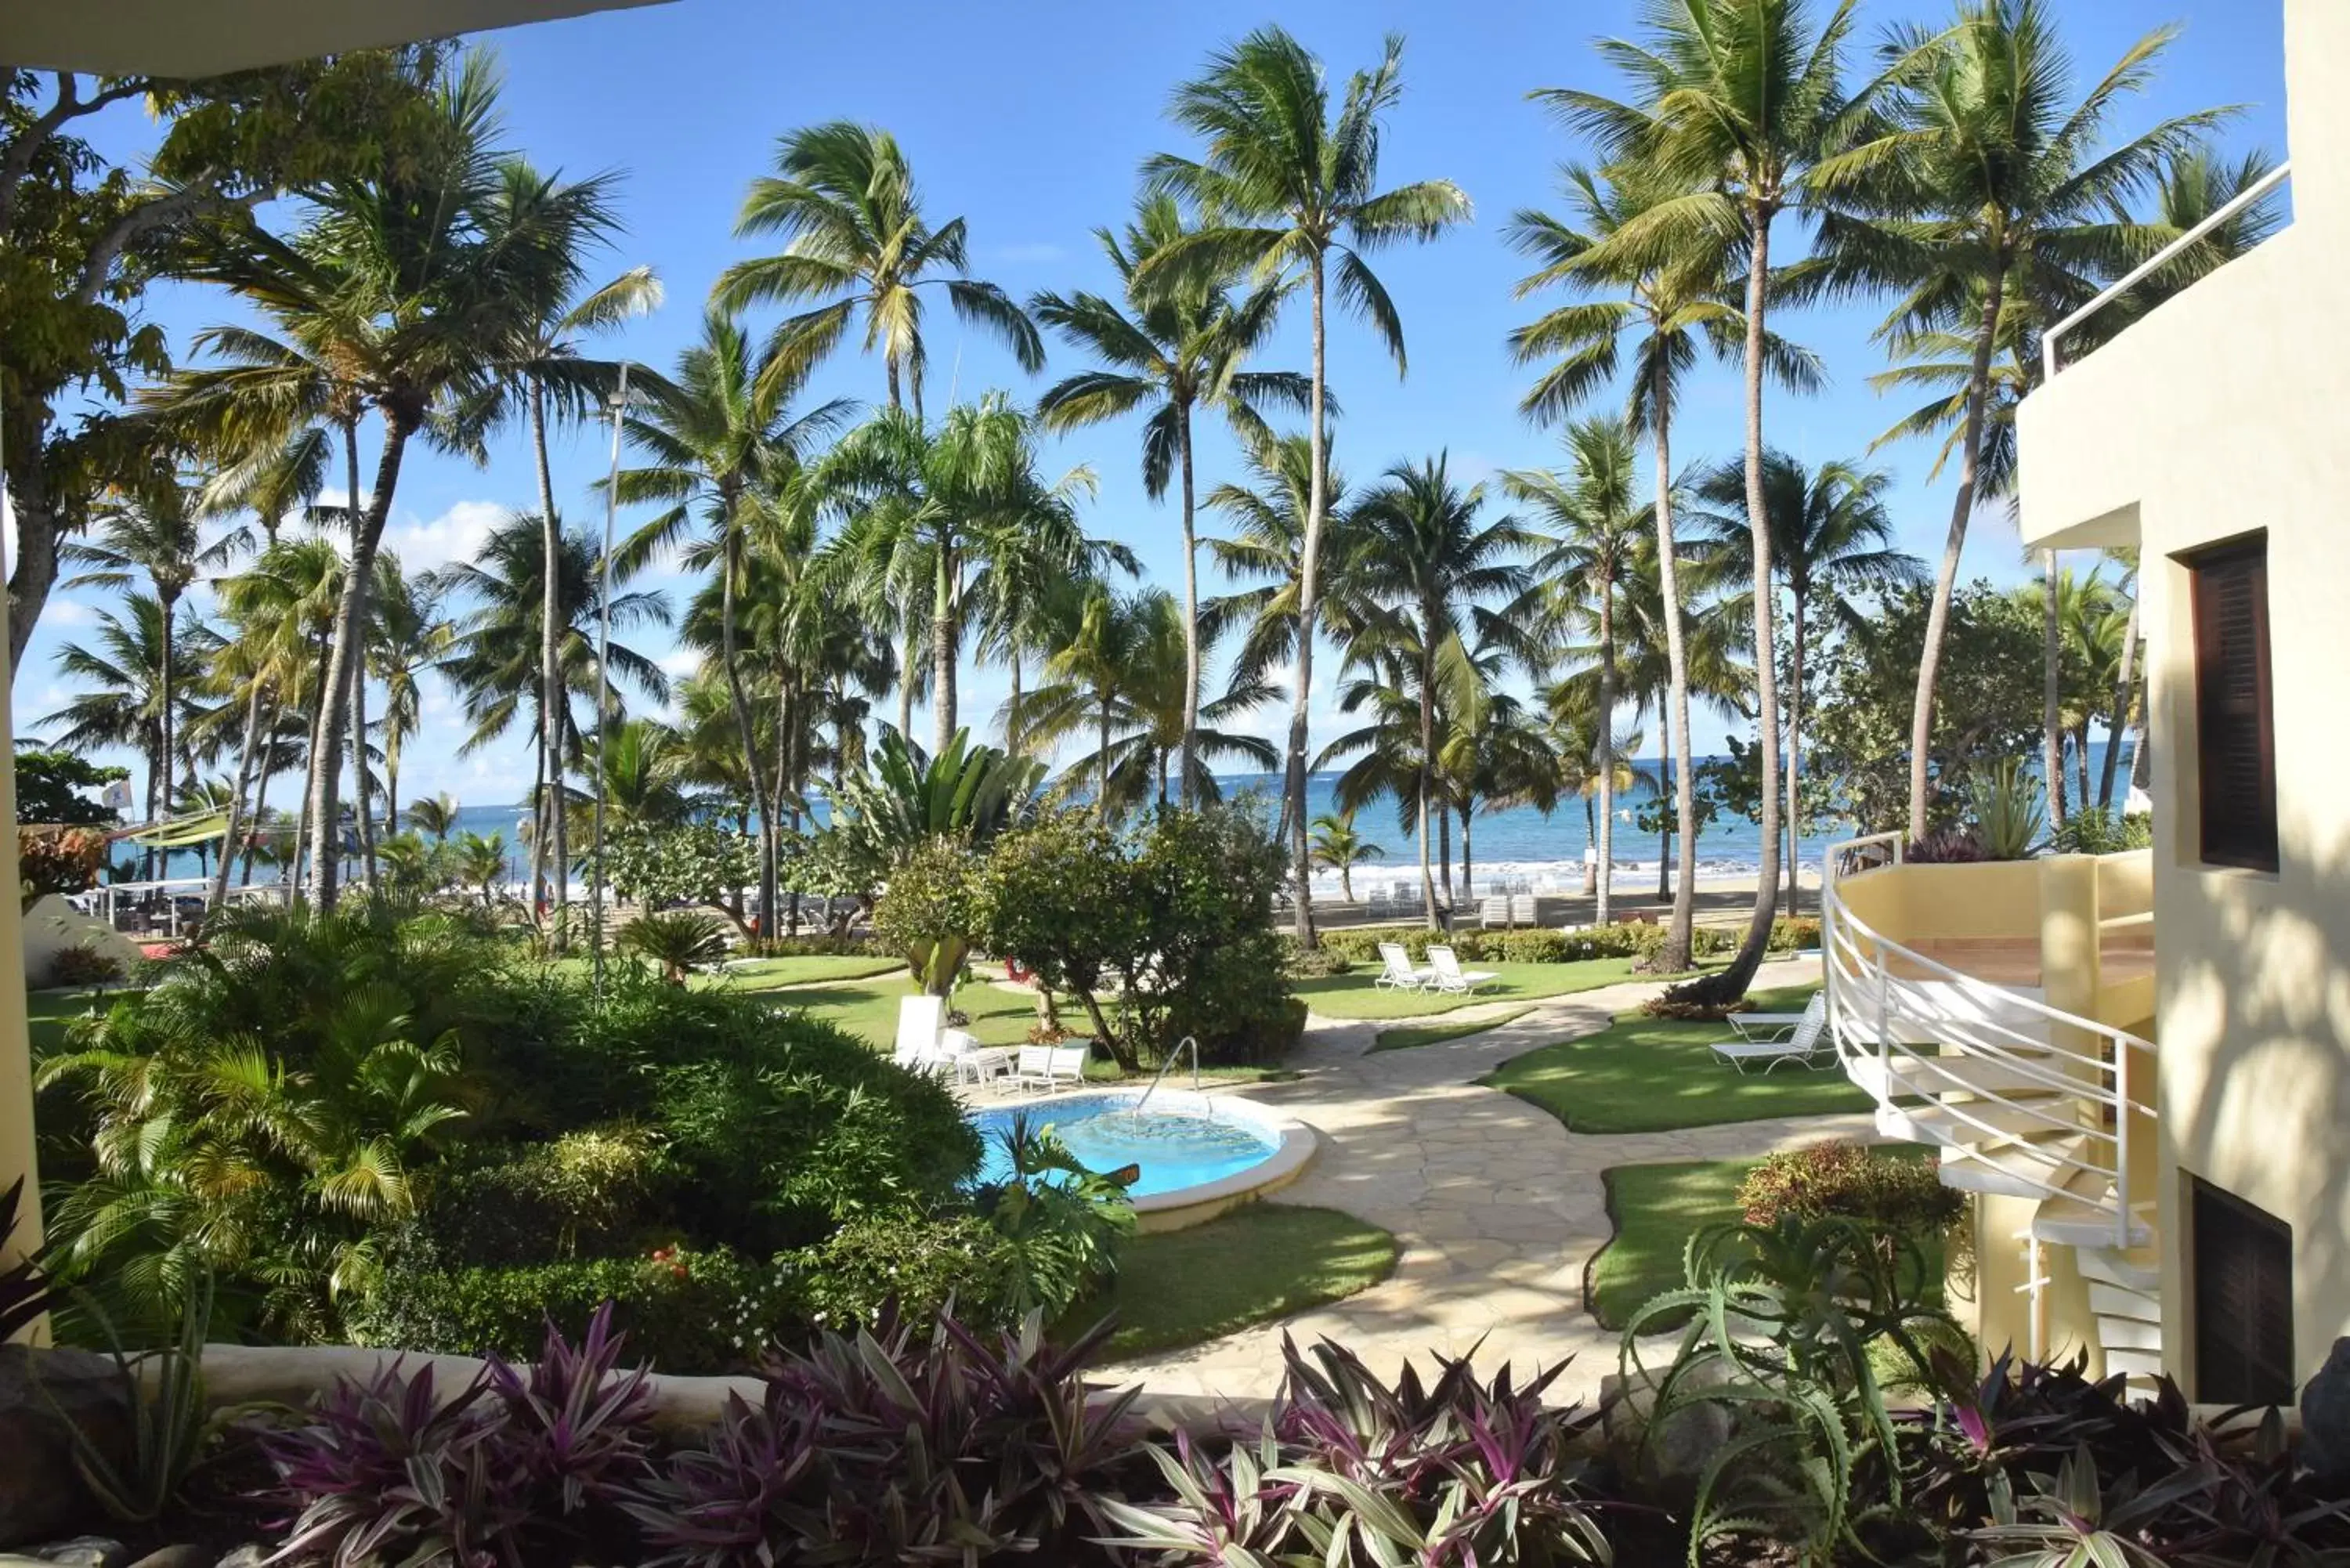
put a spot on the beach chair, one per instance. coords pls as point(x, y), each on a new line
point(1396, 969)
point(1772, 1025)
point(1044, 1068)
point(1495, 911)
point(1807, 1042)
point(919, 1019)
point(1449, 977)
point(1375, 907)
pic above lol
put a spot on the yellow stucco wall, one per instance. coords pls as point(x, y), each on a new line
point(2224, 411)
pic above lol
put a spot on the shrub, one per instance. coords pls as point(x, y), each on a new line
point(925, 1266)
point(1946, 846)
point(682, 1309)
point(587, 1190)
point(1313, 963)
point(83, 965)
point(681, 863)
point(679, 940)
point(2101, 830)
point(1627, 939)
point(819, 946)
point(1790, 934)
point(1857, 1183)
point(65, 860)
point(931, 911)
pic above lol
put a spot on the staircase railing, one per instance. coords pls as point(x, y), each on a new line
point(1888, 1004)
point(1189, 1043)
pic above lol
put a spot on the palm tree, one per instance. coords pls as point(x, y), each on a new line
point(283, 613)
point(924, 507)
point(482, 863)
point(541, 368)
point(390, 301)
point(843, 199)
point(434, 813)
point(131, 702)
point(1596, 531)
point(1171, 350)
point(1268, 520)
point(1830, 535)
point(1340, 848)
point(1739, 102)
point(721, 442)
point(412, 636)
point(1676, 304)
point(1424, 569)
point(1283, 184)
point(1986, 188)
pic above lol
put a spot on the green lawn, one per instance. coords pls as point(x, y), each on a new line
point(1261, 1261)
point(1405, 1037)
point(766, 974)
point(1657, 1208)
point(1652, 1074)
point(869, 1008)
point(48, 1011)
point(1354, 994)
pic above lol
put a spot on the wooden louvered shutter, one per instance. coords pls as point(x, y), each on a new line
point(2242, 1281)
point(2235, 738)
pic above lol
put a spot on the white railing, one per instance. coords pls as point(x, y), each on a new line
point(2049, 364)
point(1888, 1004)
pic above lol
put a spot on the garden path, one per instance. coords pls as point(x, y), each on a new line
point(1496, 1208)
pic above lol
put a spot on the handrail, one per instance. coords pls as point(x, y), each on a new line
point(1190, 1040)
point(2155, 262)
point(1865, 993)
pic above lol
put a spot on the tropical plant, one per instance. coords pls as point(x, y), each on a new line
point(1268, 518)
point(1831, 535)
point(903, 797)
point(482, 863)
point(2009, 810)
point(1173, 348)
point(128, 666)
point(679, 940)
point(1339, 847)
point(1284, 184)
point(929, 912)
point(172, 1425)
point(844, 201)
point(434, 813)
point(25, 1289)
point(1062, 1223)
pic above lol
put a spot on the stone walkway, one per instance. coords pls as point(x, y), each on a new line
point(1496, 1208)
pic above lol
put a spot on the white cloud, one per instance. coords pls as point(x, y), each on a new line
point(62, 611)
point(680, 662)
point(457, 535)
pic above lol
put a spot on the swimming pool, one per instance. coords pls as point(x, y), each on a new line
point(1197, 1154)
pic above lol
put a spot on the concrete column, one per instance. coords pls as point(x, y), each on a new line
point(17, 1157)
point(2068, 949)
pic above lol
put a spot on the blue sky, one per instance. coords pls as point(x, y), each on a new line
point(1030, 122)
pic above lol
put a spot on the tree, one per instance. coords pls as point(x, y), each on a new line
point(925, 507)
point(388, 301)
point(1284, 184)
point(542, 372)
point(1172, 350)
point(1986, 191)
point(843, 199)
point(435, 814)
point(49, 785)
point(1268, 520)
point(1677, 303)
point(1426, 571)
point(281, 613)
point(721, 444)
point(412, 636)
point(1830, 535)
point(1339, 847)
point(131, 701)
point(1739, 101)
point(903, 796)
point(1595, 529)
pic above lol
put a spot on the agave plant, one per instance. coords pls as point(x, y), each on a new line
point(24, 1290)
point(901, 797)
point(679, 940)
point(2010, 810)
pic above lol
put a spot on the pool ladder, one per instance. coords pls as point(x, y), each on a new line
point(1189, 1041)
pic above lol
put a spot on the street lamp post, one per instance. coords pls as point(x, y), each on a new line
point(603, 678)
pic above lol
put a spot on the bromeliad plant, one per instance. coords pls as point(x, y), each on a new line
point(1776, 1327)
point(1350, 1470)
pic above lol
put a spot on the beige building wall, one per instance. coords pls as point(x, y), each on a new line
point(2225, 412)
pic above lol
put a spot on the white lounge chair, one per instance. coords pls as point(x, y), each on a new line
point(1772, 1025)
point(1397, 972)
point(1044, 1068)
point(1807, 1042)
point(919, 1019)
point(1449, 976)
point(1495, 911)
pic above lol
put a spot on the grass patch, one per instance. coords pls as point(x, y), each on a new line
point(1102, 1070)
point(1404, 1037)
point(766, 974)
point(46, 1013)
point(1654, 1074)
point(1259, 1262)
point(1355, 994)
point(1656, 1210)
point(868, 1008)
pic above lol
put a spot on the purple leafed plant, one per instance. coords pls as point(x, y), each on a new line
point(520, 1467)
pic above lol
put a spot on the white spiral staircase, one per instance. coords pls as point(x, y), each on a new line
point(2020, 1098)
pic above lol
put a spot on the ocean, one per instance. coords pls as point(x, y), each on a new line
point(1518, 845)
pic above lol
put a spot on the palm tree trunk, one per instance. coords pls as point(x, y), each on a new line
point(1468, 861)
point(553, 851)
point(345, 651)
point(1664, 783)
point(1101, 763)
point(1190, 607)
point(1011, 706)
point(1309, 589)
point(1444, 810)
point(236, 797)
point(261, 790)
point(2124, 682)
point(1938, 616)
point(294, 874)
point(165, 675)
point(943, 653)
point(360, 760)
point(1680, 930)
point(727, 566)
point(2051, 688)
point(1601, 911)
point(906, 680)
point(1427, 751)
point(2081, 763)
point(1728, 984)
point(1795, 759)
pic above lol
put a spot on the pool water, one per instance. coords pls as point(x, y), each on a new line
point(1175, 1148)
